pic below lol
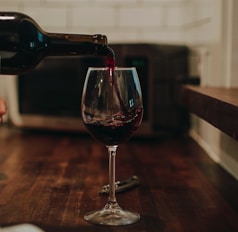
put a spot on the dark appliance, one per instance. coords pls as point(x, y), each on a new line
point(49, 97)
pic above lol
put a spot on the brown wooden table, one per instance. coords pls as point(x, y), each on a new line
point(51, 180)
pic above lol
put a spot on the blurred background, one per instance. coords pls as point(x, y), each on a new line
point(207, 27)
point(204, 25)
point(173, 21)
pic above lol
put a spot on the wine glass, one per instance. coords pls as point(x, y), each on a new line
point(112, 110)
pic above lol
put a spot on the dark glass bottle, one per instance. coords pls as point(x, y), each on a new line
point(23, 44)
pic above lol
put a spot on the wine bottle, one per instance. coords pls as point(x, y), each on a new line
point(23, 44)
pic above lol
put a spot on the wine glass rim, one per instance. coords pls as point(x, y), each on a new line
point(115, 68)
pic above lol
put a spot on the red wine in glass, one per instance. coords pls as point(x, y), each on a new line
point(117, 132)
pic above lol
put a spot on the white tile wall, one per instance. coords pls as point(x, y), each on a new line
point(121, 20)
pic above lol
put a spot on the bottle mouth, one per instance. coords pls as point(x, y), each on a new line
point(100, 39)
point(114, 69)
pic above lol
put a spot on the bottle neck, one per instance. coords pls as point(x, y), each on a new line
point(79, 38)
point(71, 44)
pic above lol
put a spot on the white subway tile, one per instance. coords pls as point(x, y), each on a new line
point(116, 2)
point(93, 17)
point(165, 37)
point(66, 2)
point(203, 9)
point(202, 34)
point(47, 17)
point(170, 1)
point(140, 17)
point(7, 7)
point(27, 1)
point(15, 2)
point(179, 16)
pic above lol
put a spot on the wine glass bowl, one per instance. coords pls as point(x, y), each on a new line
point(112, 110)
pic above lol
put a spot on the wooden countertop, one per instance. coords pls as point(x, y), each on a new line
point(51, 180)
point(216, 105)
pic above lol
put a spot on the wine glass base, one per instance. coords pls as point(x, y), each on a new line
point(112, 217)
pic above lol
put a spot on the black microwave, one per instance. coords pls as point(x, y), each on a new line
point(49, 97)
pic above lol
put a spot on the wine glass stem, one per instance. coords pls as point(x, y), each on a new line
point(112, 156)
